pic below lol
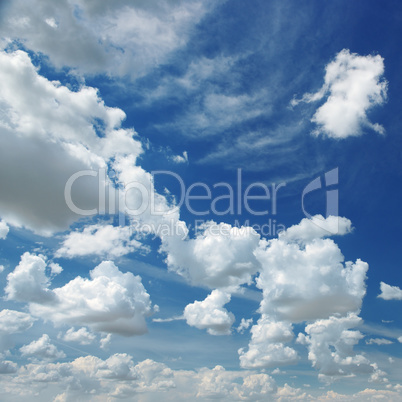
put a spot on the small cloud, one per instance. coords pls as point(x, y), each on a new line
point(210, 314)
point(168, 319)
point(244, 324)
point(55, 268)
point(52, 23)
point(181, 158)
point(389, 292)
point(42, 349)
point(105, 341)
point(378, 341)
point(277, 371)
point(4, 229)
point(82, 336)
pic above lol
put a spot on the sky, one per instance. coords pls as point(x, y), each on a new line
point(200, 200)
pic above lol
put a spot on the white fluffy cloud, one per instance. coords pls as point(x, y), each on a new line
point(210, 314)
point(221, 256)
point(82, 336)
point(102, 240)
point(389, 292)
point(266, 348)
point(353, 84)
point(221, 384)
point(28, 282)
point(42, 349)
point(307, 230)
point(330, 343)
point(60, 132)
point(119, 377)
point(122, 37)
point(4, 229)
point(110, 301)
point(12, 321)
point(244, 324)
point(303, 277)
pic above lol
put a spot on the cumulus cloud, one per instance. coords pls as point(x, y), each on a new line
point(55, 268)
point(305, 278)
point(330, 344)
point(389, 292)
point(109, 301)
point(4, 229)
point(221, 256)
point(266, 348)
point(28, 282)
point(119, 377)
point(12, 321)
point(119, 38)
point(302, 277)
point(7, 366)
point(102, 240)
point(219, 383)
point(353, 85)
point(42, 349)
point(60, 132)
point(82, 336)
point(210, 314)
point(244, 324)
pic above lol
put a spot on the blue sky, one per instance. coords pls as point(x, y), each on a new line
point(112, 110)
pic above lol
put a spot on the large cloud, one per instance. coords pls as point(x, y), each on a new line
point(122, 37)
point(110, 301)
point(330, 343)
point(353, 84)
point(119, 377)
point(303, 277)
point(60, 132)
